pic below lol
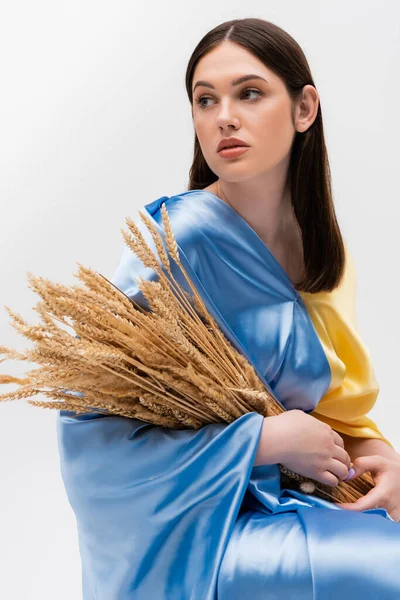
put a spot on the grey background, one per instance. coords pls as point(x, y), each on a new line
point(88, 89)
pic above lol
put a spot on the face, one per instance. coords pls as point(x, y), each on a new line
point(258, 111)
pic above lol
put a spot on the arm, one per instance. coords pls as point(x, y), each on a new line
point(354, 388)
point(268, 449)
point(368, 447)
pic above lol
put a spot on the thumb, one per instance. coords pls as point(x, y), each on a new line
point(374, 464)
point(370, 500)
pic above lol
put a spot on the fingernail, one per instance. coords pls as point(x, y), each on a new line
point(350, 474)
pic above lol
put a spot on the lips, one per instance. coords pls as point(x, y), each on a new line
point(234, 146)
point(230, 143)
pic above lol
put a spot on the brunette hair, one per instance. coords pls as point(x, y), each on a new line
point(309, 171)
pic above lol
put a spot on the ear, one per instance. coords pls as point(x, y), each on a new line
point(307, 108)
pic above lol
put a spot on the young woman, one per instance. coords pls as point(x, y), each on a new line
point(201, 514)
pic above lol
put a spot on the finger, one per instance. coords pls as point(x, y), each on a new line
point(338, 439)
point(374, 464)
point(341, 454)
point(370, 500)
point(338, 468)
point(328, 479)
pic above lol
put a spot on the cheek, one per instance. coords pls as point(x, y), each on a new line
point(274, 128)
point(276, 119)
point(204, 134)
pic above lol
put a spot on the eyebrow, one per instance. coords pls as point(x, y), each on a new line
point(233, 82)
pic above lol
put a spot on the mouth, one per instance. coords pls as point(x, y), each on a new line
point(237, 146)
point(231, 142)
point(232, 151)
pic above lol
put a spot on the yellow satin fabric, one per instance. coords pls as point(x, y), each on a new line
point(353, 390)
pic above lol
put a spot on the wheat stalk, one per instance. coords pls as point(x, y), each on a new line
point(170, 365)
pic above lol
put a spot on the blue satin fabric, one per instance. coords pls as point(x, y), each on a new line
point(245, 289)
point(184, 515)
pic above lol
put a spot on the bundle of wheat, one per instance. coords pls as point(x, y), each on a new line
point(169, 365)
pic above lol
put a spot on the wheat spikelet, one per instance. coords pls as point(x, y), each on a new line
point(11, 354)
point(20, 394)
point(223, 347)
point(100, 288)
point(170, 365)
point(157, 242)
point(142, 250)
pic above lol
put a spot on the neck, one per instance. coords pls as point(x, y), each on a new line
point(268, 211)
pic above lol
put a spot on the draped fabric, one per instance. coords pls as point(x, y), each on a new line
point(184, 514)
point(354, 389)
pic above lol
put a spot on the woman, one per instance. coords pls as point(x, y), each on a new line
point(198, 515)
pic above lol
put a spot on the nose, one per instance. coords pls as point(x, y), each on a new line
point(226, 117)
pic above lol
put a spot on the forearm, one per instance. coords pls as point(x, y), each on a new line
point(270, 445)
point(267, 452)
point(368, 447)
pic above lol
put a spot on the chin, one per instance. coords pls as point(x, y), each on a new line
point(236, 173)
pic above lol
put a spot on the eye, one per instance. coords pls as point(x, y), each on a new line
point(246, 91)
point(252, 91)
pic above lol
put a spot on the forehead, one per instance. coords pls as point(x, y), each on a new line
point(227, 62)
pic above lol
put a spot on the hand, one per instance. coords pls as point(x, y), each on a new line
point(386, 493)
point(308, 447)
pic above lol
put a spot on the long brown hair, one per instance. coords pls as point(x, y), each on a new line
point(309, 171)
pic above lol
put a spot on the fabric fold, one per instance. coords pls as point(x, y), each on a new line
point(154, 507)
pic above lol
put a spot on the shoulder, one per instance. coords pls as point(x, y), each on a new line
point(343, 298)
point(347, 284)
point(350, 270)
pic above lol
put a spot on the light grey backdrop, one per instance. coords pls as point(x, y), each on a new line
point(86, 90)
